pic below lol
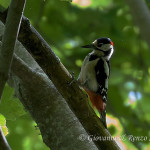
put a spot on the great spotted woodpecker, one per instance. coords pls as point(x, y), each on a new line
point(95, 72)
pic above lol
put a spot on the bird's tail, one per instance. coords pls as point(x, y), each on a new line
point(103, 118)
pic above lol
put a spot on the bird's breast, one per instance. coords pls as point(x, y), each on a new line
point(88, 75)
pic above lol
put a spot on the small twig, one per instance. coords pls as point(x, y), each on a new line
point(9, 39)
point(3, 142)
point(6, 52)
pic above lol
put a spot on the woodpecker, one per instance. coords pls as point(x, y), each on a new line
point(94, 74)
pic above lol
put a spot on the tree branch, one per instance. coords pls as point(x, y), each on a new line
point(8, 42)
point(77, 101)
point(61, 78)
point(40, 97)
point(141, 17)
point(53, 123)
point(6, 53)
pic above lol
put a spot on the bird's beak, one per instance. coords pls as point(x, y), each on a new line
point(88, 46)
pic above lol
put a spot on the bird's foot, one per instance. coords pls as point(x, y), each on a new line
point(73, 78)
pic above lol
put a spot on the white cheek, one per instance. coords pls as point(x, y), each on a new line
point(111, 46)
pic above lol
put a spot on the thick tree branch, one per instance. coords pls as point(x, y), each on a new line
point(8, 42)
point(77, 101)
point(141, 17)
point(40, 99)
point(55, 70)
point(46, 105)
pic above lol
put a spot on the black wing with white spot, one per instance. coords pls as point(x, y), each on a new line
point(102, 78)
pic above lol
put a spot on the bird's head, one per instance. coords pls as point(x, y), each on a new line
point(102, 46)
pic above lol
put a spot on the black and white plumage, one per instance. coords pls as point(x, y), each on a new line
point(95, 72)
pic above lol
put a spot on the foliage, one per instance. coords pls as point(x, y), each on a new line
point(68, 25)
point(20, 125)
point(4, 4)
point(15, 109)
point(3, 124)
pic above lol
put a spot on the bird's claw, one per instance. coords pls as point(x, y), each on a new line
point(73, 78)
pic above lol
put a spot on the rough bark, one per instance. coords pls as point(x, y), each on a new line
point(141, 16)
point(77, 101)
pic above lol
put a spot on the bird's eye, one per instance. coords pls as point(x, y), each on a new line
point(99, 44)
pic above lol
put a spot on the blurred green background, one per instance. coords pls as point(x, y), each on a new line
point(66, 25)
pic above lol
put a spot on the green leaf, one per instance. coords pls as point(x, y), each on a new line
point(2, 120)
point(10, 106)
point(4, 4)
point(3, 124)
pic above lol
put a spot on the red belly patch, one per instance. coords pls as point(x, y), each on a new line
point(96, 100)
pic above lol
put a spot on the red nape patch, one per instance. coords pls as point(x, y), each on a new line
point(111, 43)
point(96, 100)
